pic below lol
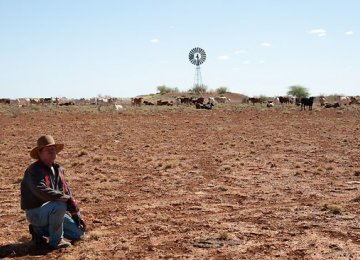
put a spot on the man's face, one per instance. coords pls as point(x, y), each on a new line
point(48, 154)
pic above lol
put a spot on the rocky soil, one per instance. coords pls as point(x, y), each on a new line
point(237, 182)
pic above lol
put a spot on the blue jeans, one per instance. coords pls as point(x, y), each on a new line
point(51, 220)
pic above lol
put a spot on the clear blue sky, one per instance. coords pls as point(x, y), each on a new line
point(121, 48)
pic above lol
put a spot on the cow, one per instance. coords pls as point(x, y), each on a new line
point(164, 103)
point(136, 101)
point(23, 102)
point(307, 102)
point(183, 100)
point(222, 99)
point(199, 100)
point(329, 105)
point(254, 100)
point(342, 100)
point(5, 101)
point(46, 101)
point(118, 107)
point(148, 103)
point(270, 103)
point(284, 100)
point(211, 100)
point(354, 101)
point(322, 101)
point(102, 101)
point(34, 101)
point(68, 103)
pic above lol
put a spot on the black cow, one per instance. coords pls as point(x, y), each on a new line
point(199, 100)
point(283, 100)
point(254, 100)
point(307, 102)
point(329, 105)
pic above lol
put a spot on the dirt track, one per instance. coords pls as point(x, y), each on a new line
point(182, 183)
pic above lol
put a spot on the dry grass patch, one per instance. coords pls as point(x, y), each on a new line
point(329, 168)
point(333, 208)
point(82, 153)
point(356, 199)
point(97, 158)
point(225, 235)
point(95, 235)
point(77, 163)
point(101, 177)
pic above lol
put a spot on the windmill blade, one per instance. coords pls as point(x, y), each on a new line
point(197, 56)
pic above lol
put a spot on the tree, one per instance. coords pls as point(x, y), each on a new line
point(164, 89)
point(222, 90)
point(298, 91)
point(199, 89)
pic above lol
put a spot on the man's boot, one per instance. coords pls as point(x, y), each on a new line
point(38, 239)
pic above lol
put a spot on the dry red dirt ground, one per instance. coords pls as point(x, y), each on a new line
point(237, 182)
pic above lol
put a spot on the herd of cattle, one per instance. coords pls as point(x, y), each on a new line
point(307, 102)
point(198, 102)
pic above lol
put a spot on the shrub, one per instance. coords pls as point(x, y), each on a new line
point(164, 89)
point(199, 89)
point(222, 90)
point(264, 98)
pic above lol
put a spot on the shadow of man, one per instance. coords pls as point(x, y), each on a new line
point(21, 248)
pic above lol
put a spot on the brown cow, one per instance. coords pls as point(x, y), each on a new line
point(183, 100)
point(354, 101)
point(329, 105)
point(136, 101)
point(164, 103)
point(254, 100)
point(4, 100)
point(199, 100)
point(322, 101)
point(148, 103)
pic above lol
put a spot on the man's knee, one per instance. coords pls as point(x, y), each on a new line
point(58, 207)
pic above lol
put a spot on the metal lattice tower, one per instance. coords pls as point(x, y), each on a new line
point(197, 56)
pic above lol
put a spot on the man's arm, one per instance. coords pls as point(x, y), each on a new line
point(36, 184)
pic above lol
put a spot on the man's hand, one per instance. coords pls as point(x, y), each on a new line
point(82, 224)
point(79, 221)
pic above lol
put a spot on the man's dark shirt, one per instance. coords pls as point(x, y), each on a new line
point(34, 189)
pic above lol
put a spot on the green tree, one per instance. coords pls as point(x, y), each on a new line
point(163, 89)
point(298, 91)
point(199, 89)
point(222, 90)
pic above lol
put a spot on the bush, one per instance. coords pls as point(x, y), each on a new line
point(222, 90)
point(199, 89)
point(164, 89)
point(264, 98)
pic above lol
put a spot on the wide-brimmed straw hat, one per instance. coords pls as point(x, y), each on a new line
point(45, 140)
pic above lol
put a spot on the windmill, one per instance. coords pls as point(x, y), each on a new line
point(197, 56)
